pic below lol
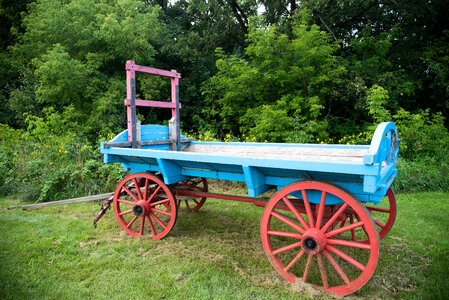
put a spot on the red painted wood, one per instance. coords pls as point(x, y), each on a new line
point(287, 254)
point(151, 103)
point(197, 184)
point(130, 74)
point(131, 65)
point(156, 203)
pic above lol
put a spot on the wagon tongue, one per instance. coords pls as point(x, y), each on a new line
point(104, 207)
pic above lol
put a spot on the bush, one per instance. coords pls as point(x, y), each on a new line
point(50, 161)
point(422, 175)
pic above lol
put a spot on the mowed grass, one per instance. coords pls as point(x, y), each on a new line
point(56, 253)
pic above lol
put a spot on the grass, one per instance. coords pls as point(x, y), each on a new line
point(56, 253)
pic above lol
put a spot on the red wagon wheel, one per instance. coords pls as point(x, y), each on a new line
point(195, 184)
point(383, 216)
point(144, 205)
point(302, 244)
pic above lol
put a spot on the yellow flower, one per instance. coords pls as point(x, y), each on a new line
point(59, 150)
point(65, 151)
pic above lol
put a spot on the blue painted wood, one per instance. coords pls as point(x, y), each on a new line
point(255, 181)
point(368, 179)
point(171, 171)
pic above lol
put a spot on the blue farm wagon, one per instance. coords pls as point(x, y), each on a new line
point(323, 224)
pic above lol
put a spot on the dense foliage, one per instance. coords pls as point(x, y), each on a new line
point(280, 71)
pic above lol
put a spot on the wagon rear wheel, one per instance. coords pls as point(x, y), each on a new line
point(145, 206)
point(192, 202)
point(383, 216)
point(302, 243)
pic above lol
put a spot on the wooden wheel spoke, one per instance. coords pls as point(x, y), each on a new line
point(142, 224)
point(379, 224)
point(125, 212)
point(294, 260)
point(161, 211)
point(195, 201)
point(342, 224)
point(363, 227)
point(321, 210)
point(334, 217)
point(187, 203)
point(296, 213)
point(286, 248)
point(154, 193)
point(158, 220)
point(351, 220)
point(137, 187)
point(349, 244)
point(131, 194)
point(322, 271)
point(126, 202)
point(336, 266)
point(145, 192)
point(159, 202)
point(285, 234)
point(132, 221)
point(346, 257)
point(287, 221)
point(343, 229)
point(308, 209)
point(150, 223)
point(378, 209)
point(306, 269)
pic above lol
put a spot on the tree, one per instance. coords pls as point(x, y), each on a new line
point(74, 53)
point(279, 92)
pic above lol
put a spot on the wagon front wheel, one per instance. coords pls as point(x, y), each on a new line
point(145, 206)
point(302, 243)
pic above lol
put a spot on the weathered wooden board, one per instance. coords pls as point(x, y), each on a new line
point(286, 153)
point(62, 202)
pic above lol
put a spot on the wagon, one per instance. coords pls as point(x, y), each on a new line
point(324, 222)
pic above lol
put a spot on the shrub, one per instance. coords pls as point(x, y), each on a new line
point(422, 175)
point(51, 161)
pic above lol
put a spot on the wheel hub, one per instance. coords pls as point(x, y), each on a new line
point(313, 241)
point(141, 208)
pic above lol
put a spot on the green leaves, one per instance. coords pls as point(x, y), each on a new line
point(62, 79)
point(283, 81)
point(71, 51)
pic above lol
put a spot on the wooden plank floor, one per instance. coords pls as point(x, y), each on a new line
point(284, 153)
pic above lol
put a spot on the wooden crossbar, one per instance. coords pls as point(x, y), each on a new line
point(152, 103)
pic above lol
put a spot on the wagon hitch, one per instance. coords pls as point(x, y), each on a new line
point(104, 207)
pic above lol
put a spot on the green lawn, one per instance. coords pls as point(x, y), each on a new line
point(56, 253)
